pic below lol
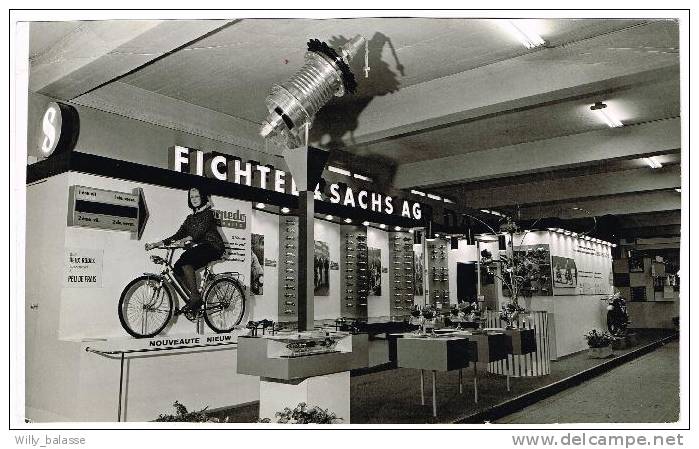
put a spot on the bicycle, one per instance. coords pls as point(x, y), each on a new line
point(146, 305)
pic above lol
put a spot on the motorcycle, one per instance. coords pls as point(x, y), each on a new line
point(617, 315)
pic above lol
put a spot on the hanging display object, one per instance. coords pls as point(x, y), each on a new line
point(293, 103)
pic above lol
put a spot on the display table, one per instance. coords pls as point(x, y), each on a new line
point(310, 367)
point(441, 353)
point(532, 358)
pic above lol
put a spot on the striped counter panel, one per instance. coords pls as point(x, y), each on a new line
point(528, 365)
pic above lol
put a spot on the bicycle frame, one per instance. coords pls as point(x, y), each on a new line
point(168, 275)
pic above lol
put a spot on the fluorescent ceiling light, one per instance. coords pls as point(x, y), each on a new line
point(329, 217)
point(523, 32)
point(601, 110)
point(397, 228)
point(285, 210)
point(260, 205)
point(348, 220)
point(417, 192)
point(447, 200)
point(365, 223)
point(362, 177)
point(382, 226)
point(434, 197)
point(338, 170)
point(652, 162)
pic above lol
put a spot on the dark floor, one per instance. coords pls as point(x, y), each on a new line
point(643, 390)
point(393, 396)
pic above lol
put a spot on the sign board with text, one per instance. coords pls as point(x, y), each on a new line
point(107, 209)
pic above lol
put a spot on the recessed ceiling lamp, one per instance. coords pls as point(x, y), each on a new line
point(329, 217)
point(348, 220)
point(652, 162)
point(411, 231)
point(600, 109)
point(382, 226)
point(260, 205)
point(523, 32)
point(365, 223)
point(338, 170)
point(398, 228)
point(285, 210)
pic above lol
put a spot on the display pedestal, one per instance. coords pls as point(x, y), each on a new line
point(331, 391)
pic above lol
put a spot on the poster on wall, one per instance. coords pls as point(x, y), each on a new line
point(321, 269)
point(257, 255)
point(83, 268)
point(636, 264)
point(535, 269)
point(232, 218)
point(418, 268)
point(565, 273)
point(375, 271)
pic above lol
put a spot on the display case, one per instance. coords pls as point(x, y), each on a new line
point(438, 273)
point(400, 273)
point(288, 269)
point(354, 271)
point(294, 355)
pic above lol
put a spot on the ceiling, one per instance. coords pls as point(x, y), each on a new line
point(456, 107)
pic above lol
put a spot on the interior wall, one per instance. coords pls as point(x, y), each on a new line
point(328, 307)
point(465, 253)
point(379, 306)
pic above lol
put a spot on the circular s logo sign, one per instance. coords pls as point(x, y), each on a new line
point(59, 129)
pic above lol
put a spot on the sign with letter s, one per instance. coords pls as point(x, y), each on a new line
point(58, 130)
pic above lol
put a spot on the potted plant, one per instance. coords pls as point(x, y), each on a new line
point(509, 314)
point(302, 414)
point(600, 344)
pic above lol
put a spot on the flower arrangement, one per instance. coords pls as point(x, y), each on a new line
point(510, 312)
point(598, 339)
point(302, 414)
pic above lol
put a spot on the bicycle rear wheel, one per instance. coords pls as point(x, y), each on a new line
point(224, 305)
point(145, 307)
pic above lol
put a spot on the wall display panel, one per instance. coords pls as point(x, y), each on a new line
point(354, 271)
point(379, 298)
point(265, 248)
point(418, 270)
point(288, 269)
point(401, 272)
point(328, 306)
point(375, 268)
point(124, 257)
point(438, 273)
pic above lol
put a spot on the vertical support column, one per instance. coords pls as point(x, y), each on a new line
point(305, 254)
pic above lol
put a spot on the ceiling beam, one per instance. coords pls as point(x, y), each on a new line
point(575, 187)
point(149, 107)
point(633, 203)
point(579, 69)
point(651, 219)
point(651, 231)
point(97, 52)
point(628, 142)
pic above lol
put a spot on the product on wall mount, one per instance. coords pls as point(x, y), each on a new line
point(293, 104)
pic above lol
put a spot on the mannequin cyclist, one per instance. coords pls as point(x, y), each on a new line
point(200, 228)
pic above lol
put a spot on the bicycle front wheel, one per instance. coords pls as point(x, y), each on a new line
point(224, 305)
point(145, 307)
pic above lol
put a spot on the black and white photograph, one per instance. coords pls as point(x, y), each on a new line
point(257, 279)
point(375, 271)
point(363, 219)
point(321, 269)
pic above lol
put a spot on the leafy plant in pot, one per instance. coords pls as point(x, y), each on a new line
point(600, 344)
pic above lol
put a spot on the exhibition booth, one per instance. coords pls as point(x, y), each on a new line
point(392, 280)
